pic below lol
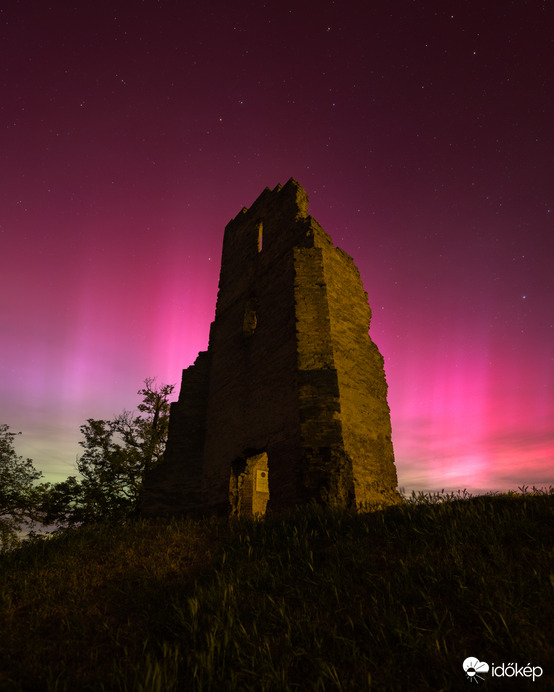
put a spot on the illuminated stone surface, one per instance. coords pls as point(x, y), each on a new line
point(291, 384)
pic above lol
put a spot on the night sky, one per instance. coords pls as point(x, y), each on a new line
point(132, 132)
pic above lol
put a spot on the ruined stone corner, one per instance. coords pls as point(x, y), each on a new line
point(380, 499)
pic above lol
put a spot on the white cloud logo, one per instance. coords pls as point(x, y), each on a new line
point(473, 666)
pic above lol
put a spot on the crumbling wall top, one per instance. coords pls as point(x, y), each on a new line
point(290, 200)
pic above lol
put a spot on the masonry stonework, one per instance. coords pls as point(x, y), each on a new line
point(289, 402)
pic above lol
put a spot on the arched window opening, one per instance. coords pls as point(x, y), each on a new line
point(250, 320)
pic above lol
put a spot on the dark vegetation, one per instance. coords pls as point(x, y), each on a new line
point(116, 455)
point(20, 497)
point(315, 600)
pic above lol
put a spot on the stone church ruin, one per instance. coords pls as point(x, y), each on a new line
point(289, 402)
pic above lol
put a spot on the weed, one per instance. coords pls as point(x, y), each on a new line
point(391, 599)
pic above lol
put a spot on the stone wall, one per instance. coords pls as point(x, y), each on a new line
point(291, 385)
point(175, 485)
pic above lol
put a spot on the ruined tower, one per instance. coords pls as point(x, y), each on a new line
point(289, 402)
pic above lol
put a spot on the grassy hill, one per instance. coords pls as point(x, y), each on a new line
point(384, 600)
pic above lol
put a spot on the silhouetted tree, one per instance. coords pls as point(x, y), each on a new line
point(117, 453)
point(20, 497)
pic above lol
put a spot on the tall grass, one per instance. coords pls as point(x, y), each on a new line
point(315, 600)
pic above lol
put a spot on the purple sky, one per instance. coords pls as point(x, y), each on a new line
point(132, 132)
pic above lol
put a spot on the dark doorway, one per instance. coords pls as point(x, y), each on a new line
point(249, 486)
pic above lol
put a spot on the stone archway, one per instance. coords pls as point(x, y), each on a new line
point(249, 486)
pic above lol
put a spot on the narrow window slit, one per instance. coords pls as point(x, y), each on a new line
point(260, 228)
